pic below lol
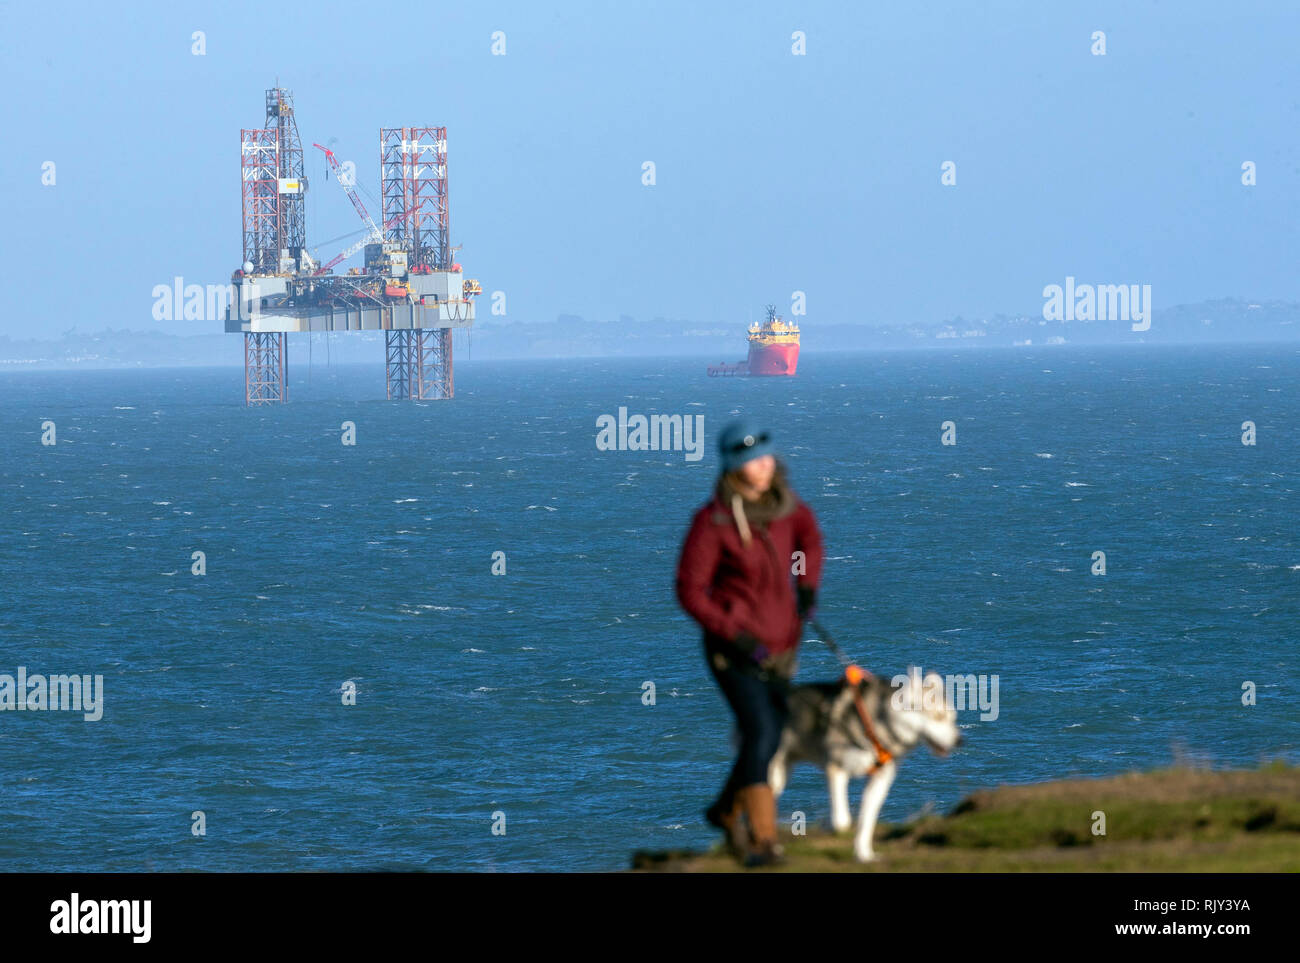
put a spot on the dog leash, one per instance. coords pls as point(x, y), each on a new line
point(854, 674)
point(830, 643)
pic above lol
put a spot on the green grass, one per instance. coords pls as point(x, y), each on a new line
point(1170, 820)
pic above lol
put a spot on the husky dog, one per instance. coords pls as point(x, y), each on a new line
point(826, 729)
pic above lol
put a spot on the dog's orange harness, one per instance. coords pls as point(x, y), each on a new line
point(855, 674)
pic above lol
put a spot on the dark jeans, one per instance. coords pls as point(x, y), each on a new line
point(760, 709)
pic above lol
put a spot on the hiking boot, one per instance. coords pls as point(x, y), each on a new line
point(760, 809)
point(769, 855)
point(728, 816)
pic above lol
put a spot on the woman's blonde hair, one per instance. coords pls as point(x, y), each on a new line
point(734, 478)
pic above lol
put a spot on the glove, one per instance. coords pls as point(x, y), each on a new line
point(773, 669)
point(751, 647)
point(807, 598)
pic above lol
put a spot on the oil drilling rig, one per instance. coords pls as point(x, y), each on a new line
point(409, 287)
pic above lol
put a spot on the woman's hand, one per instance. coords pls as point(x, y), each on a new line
point(777, 667)
point(751, 646)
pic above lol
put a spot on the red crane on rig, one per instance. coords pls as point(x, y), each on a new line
point(373, 236)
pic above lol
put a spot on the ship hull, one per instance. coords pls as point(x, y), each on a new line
point(778, 360)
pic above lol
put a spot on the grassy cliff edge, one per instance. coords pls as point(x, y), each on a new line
point(1169, 820)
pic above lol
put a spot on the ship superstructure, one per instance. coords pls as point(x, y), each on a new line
point(773, 349)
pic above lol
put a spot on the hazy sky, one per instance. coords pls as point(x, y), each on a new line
point(775, 172)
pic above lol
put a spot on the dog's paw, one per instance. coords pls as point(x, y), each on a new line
point(864, 856)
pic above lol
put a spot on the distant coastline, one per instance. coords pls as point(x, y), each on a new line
point(1224, 321)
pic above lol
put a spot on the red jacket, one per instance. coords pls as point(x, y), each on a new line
point(729, 587)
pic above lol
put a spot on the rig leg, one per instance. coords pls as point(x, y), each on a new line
point(399, 363)
point(266, 367)
point(418, 364)
point(435, 370)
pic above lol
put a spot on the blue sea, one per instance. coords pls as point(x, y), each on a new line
point(517, 701)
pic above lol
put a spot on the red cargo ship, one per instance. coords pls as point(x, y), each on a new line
point(773, 350)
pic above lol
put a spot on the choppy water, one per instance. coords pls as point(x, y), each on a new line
point(521, 693)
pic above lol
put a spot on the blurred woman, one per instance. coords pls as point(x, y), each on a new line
point(748, 573)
